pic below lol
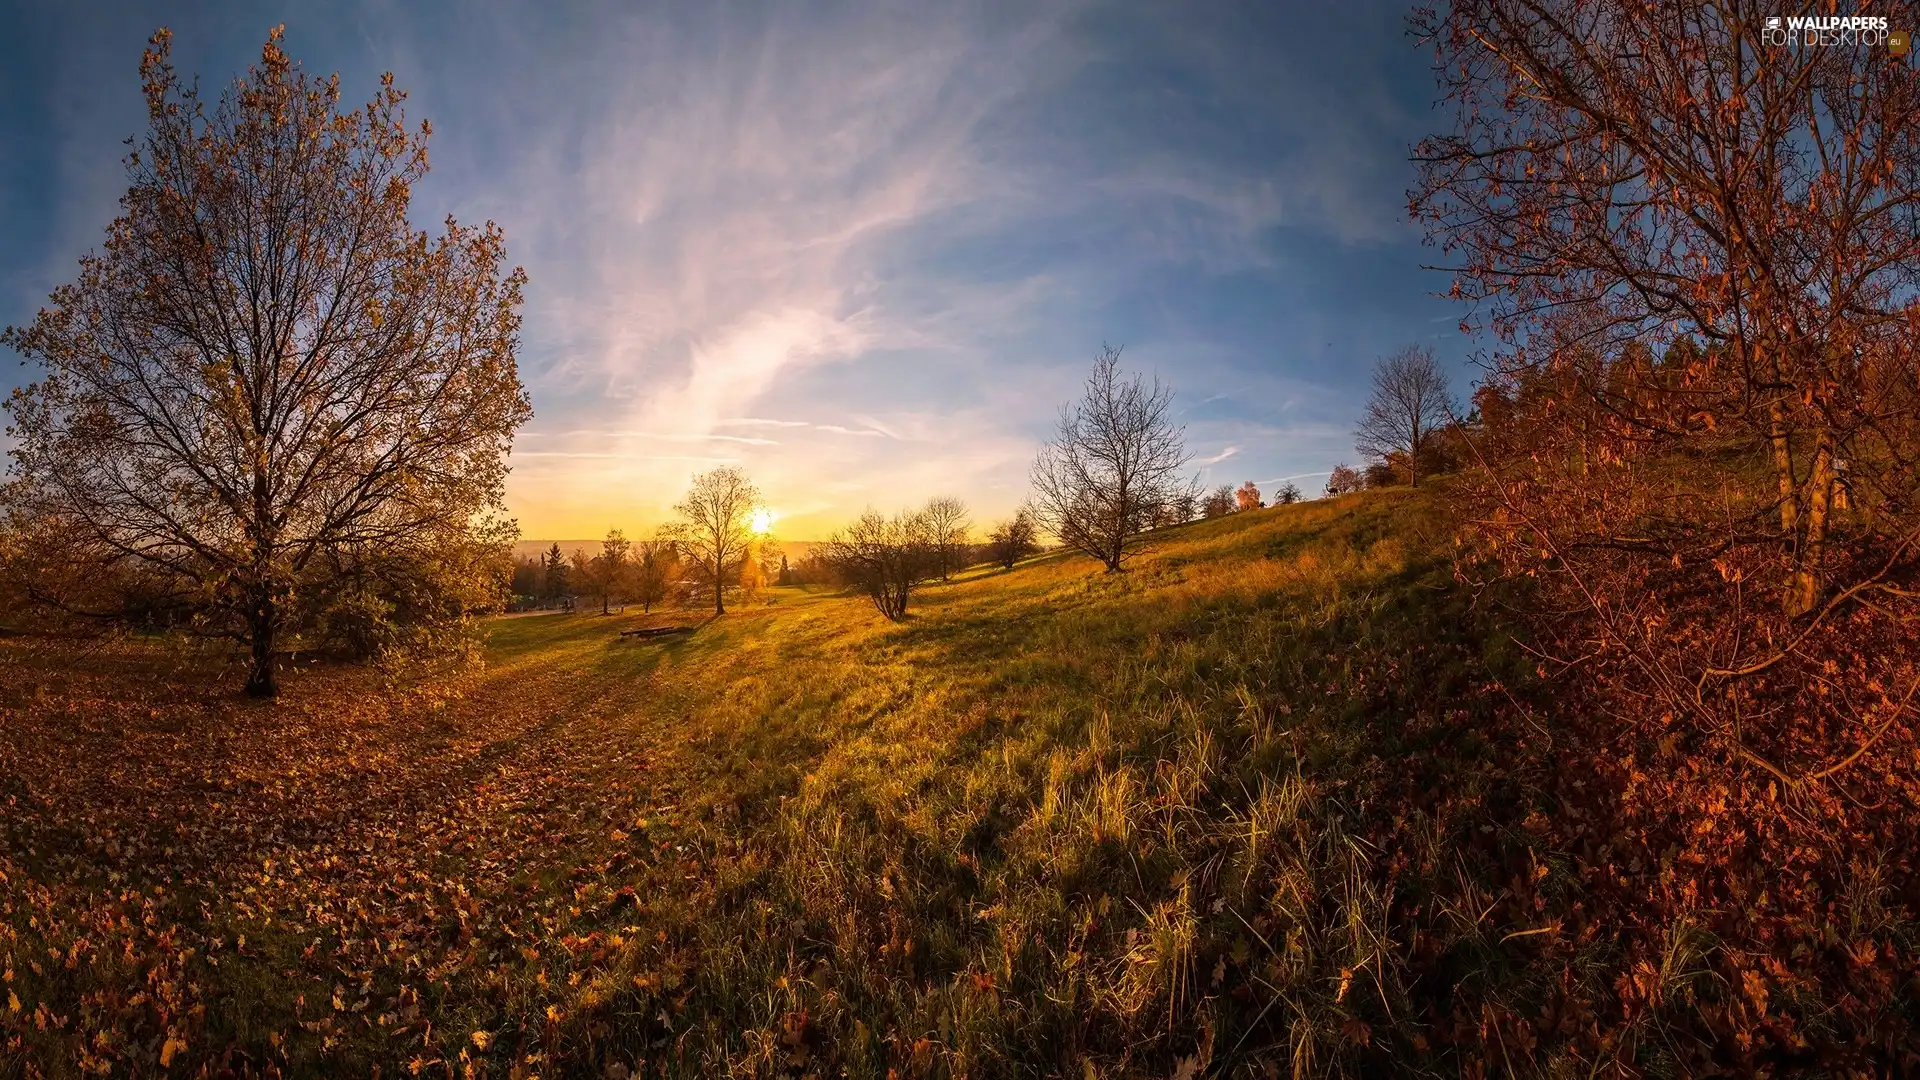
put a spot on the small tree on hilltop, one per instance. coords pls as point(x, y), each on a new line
point(1288, 494)
point(886, 557)
point(714, 535)
point(1248, 497)
point(1411, 401)
point(948, 519)
point(1013, 539)
point(1219, 502)
point(1115, 459)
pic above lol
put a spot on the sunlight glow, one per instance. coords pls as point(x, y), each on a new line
point(761, 522)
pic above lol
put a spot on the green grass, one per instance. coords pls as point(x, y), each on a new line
point(1227, 813)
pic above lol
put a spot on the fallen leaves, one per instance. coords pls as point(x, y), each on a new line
point(156, 836)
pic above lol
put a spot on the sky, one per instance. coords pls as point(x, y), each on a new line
point(863, 251)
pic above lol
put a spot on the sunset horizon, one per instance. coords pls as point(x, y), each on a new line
point(854, 256)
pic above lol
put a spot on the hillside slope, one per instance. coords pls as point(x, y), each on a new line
point(1274, 799)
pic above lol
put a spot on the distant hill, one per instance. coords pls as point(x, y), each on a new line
point(795, 550)
point(532, 549)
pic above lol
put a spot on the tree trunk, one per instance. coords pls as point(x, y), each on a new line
point(719, 587)
point(1808, 579)
point(1783, 468)
point(262, 620)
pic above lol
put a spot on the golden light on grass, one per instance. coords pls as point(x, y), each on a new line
point(761, 522)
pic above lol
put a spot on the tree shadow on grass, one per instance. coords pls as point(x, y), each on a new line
point(640, 657)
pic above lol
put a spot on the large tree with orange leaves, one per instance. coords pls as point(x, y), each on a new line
point(267, 376)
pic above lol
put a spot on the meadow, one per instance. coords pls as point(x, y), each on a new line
point(1286, 798)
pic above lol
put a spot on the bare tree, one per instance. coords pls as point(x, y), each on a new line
point(1013, 539)
point(950, 521)
point(1219, 502)
point(610, 568)
point(654, 564)
point(1115, 461)
point(267, 374)
point(581, 577)
point(886, 557)
point(1411, 400)
point(1288, 494)
point(715, 534)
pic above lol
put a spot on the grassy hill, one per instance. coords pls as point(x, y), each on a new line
point(1274, 802)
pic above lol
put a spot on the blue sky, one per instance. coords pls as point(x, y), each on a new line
point(864, 251)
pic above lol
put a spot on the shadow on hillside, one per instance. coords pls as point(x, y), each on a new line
point(640, 657)
point(1114, 608)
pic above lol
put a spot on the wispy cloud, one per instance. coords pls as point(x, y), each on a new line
point(606, 455)
point(863, 251)
point(757, 421)
point(735, 183)
point(664, 437)
point(742, 439)
point(878, 426)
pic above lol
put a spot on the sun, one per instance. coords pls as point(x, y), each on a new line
point(761, 521)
